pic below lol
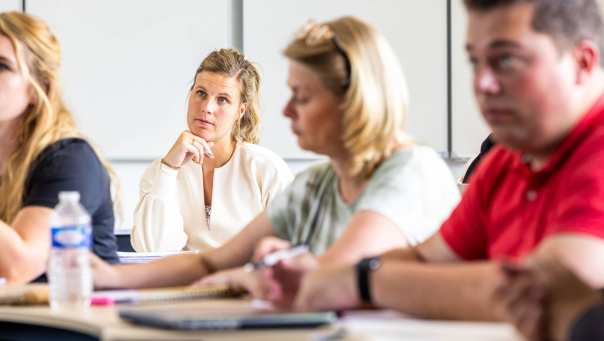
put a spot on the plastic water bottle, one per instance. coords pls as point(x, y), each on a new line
point(69, 272)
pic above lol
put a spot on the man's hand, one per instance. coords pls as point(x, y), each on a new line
point(542, 298)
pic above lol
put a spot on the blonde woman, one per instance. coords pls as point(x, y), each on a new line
point(41, 152)
point(214, 179)
point(378, 191)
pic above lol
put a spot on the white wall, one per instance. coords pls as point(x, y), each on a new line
point(127, 65)
point(469, 129)
point(415, 29)
point(10, 5)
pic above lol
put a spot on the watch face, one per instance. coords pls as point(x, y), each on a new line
point(374, 263)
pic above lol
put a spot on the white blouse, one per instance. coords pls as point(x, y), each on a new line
point(171, 213)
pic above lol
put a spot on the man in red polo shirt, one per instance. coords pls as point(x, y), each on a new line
point(539, 80)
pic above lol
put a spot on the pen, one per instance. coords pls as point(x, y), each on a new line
point(275, 257)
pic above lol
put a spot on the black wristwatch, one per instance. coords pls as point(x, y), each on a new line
point(364, 268)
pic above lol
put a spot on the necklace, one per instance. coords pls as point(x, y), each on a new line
point(208, 213)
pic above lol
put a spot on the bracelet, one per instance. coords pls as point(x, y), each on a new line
point(169, 165)
point(364, 268)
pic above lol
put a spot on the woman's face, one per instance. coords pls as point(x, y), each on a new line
point(214, 106)
point(313, 109)
point(15, 92)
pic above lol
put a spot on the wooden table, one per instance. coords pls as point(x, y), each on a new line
point(102, 323)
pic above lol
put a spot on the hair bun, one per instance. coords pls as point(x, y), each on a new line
point(314, 34)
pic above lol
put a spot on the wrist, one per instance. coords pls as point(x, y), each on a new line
point(109, 278)
point(167, 164)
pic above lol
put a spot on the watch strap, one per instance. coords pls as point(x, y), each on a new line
point(363, 270)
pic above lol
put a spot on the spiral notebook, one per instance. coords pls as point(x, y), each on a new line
point(145, 257)
point(165, 294)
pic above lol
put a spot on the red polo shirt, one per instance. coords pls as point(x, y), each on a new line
point(508, 209)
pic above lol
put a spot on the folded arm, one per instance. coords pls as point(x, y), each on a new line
point(25, 245)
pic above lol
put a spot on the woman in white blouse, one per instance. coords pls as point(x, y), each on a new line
point(178, 206)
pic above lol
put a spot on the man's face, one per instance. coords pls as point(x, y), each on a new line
point(523, 83)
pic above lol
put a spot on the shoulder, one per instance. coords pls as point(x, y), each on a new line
point(261, 158)
point(413, 159)
point(305, 189)
point(259, 154)
point(498, 161)
point(590, 151)
point(426, 156)
point(315, 172)
point(68, 164)
point(69, 155)
point(493, 170)
point(313, 178)
point(75, 147)
point(407, 169)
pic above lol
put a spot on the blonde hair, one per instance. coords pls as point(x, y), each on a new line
point(47, 119)
point(234, 64)
point(356, 63)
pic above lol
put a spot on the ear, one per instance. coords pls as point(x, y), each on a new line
point(242, 110)
point(31, 94)
point(587, 59)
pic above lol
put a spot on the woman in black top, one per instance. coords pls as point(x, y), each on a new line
point(41, 153)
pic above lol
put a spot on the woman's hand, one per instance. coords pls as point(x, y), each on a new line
point(237, 279)
point(188, 147)
point(282, 281)
point(278, 284)
point(269, 245)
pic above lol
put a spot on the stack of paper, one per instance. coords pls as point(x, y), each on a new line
point(144, 257)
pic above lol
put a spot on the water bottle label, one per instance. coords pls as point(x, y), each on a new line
point(71, 237)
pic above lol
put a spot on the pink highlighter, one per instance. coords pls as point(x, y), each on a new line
point(101, 301)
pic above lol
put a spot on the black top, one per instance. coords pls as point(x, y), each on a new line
point(72, 165)
point(485, 147)
point(590, 325)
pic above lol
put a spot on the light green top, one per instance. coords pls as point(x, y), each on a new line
point(413, 188)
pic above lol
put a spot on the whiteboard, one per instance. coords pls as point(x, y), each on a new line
point(416, 30)
point(10, 5)
point(127, 66)
point(469, 129)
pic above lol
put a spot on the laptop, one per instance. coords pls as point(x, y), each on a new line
point(197, 320)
